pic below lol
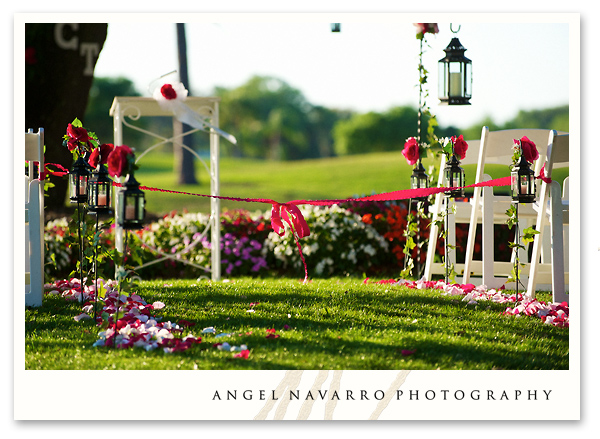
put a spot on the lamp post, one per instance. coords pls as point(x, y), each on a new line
point(130, 211)
point(99, 202)
point(454, 177)
point(78, 187)
point(523, 191)
point(455, 75)
point(418, 180)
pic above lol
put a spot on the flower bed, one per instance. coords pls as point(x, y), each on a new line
point(354, 238)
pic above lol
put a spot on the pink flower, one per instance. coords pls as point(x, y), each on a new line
point(411, 151)
point(529, 150)
point(460, 146)
point(118, 160)
point(244, 354)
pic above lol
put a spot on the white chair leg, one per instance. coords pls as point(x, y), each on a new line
point(472, 235)
point(558, 263)
point(433, 236)
point(487, 238)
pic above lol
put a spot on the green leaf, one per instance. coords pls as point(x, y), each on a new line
point(529, 234)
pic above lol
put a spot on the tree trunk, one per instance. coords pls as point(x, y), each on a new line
point(184, 159)
point(59, 68)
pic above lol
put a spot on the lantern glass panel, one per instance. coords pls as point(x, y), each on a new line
point(78, 187)
point(442, 81)
point(469, 80)
point(455, 87)
point(99, 194)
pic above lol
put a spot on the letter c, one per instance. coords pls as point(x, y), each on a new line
point(60, 40)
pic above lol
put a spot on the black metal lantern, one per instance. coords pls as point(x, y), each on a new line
point(455, 75)
point(130, 208)
point(336, 27)
point(78, 181)
point(523, 182)
point(100, 191)
point(419, 179)
point(454, 177)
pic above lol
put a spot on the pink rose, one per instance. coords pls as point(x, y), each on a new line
point(118, 161)
point(100, 155)
point(529, 150)
point(460, 146)
point(411, 151)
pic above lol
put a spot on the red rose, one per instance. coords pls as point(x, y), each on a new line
point(77, 134)
point(529, 150)
point(460, 146)
point(411, 151)
point(423, 28)
point(100, 155)
point(168, 92)
point(118, 161)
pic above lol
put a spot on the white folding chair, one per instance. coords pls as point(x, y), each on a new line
point(461, 214)
point(34, 219)
point(552, 207)
point(489, 209)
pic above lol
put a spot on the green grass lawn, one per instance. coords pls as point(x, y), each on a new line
point(339, 324)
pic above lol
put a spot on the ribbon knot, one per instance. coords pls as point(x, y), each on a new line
point(290, 213)
point(543, 176)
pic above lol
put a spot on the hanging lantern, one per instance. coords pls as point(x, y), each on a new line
point(130, 208)
point(455, 75)
point(100, 191)
point(419, 179)
point(336, 27)
point(78, 181)
point(454, 177)
point(523, 182)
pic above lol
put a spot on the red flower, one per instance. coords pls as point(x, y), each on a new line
point(460, 146)
point(118, 160)
point(30, 56)
point(423, 28)
point(411, 151)
point(77, 134)
point(168, 92)
point(529, 150)
point(100, 155)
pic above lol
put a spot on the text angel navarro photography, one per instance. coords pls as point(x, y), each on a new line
point(378, 395)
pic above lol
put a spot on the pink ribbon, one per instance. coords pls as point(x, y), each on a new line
point(543, 177)
point(48, 171)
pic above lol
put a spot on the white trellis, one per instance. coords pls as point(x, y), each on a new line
point(126, 111)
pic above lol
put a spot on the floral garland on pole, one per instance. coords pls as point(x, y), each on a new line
point(414, 149)
point(527, 149)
